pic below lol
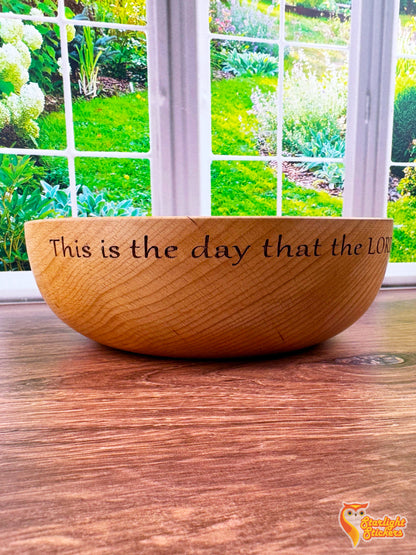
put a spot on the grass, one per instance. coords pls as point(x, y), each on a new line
point(321, 31)
point(108, 124)
point(233, 126)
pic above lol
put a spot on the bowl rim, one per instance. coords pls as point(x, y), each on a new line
point(78, 219)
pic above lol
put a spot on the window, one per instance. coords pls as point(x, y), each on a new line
point(182, 119)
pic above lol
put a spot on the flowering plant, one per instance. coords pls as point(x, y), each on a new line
point(21, 101)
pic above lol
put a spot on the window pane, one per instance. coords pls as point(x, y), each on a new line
point(312, 189)
point(243, 189)
point(240, 71)
point(131, 12)
point(30, 189)
point(402, 181)
point(110, 107)
point(117, 180)
point(315, 103)
point(402, 208)
point(307, 22)
point(244, 18)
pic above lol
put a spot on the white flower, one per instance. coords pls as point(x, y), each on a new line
point(17, 75)
point(12, 68)
point(33, 100)
point(11, 30)
point(4, 115)
point(9, 56)
point(24, 52)
point(14, 104)
point(34, 12)
point(32, 37)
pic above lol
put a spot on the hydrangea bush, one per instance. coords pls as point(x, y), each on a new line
point(21, 101)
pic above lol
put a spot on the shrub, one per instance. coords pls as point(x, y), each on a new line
point(407, 185)
point(22, 101)
point(314, 109)
point(250, 63)
point(324, 146)
point(404, 125)
point(128, 60)
point(89, 203)
point(244, 18)
point(20, 200)
point(132, 12)
point(408, 7)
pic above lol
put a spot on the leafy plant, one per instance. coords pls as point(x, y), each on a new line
point(243, 18)
point(407, 185)
point(250, 63)
point(89, 203)
point(404, 124)
point(88, 64)
point(132, 12)
point(323, 146)
point(128, 60)
point(20, 200)
point(314, 106)
point(17, 172)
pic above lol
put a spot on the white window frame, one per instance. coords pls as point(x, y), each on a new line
point(180, 117)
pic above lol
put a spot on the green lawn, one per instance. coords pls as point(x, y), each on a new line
point(118, 123)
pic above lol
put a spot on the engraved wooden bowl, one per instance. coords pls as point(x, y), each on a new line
point(209, 287)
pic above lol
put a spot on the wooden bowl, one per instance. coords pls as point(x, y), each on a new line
point(209, 287)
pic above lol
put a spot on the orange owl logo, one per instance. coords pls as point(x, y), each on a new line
point(350, 520)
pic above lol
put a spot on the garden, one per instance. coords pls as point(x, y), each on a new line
point(108, 78)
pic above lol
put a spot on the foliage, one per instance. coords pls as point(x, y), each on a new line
point(329, 5)
point(128, 60)
point(21, 101)
point(89, 203)
point(20, 200)
point(88, 64)
point(131, 12)
point(250, 63)
point(406, 67)
point(407, 185)
point(408, 7)
point(242, 18)
point(317, 30)
point(48, 7)
point(18, 205)
point(17, 172)
point(324, 146)
point(314, 115)
point(404, 124)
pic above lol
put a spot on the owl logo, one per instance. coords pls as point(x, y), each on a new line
point(350, 518)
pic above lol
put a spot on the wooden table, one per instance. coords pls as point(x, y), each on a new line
point(110, 452)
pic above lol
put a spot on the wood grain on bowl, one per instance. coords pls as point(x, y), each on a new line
point(209, 287)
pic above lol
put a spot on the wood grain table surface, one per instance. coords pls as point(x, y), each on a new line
point(103, 451)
